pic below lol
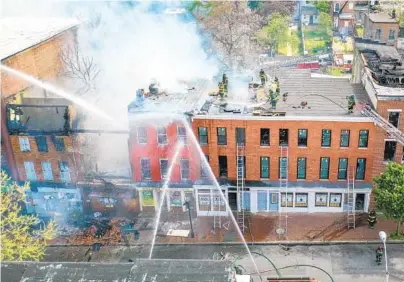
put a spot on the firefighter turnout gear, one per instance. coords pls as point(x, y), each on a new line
point(351, 103)
point(225, 82)
point(263, 77)
point(372, 219)
point(221, 89)
point(379, 254)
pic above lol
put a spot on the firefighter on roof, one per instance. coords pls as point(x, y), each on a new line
point(263, 77)
point(225, 82)
point(351, 103)
point(221, 89)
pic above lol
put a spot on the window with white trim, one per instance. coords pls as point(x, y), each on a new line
point(145, 169)
point(30, 171)
point(142, 135)
point(162, 135)
point(64, 171)
point(184, 163)
point(163, 168)
point(24, 144)
point(47, 171)
point(182, 134)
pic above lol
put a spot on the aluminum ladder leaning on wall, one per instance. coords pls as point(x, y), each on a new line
point(241, 185)
point(351, 197)
point(283, 188)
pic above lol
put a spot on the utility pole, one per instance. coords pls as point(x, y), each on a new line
point(190, 219)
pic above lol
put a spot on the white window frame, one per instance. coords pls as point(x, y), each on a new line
point(141, 172)
point(24, 144)
point(182, 137)
point(161, 171)
point(182, 178)
point(137, 134)
point(29, 166)
point(65, 175)
point(160, 134)
point(47, 171)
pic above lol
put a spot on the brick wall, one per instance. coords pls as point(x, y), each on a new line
point(371, 27)
point(37, 157)
point(382, 109)
point(313, 152)
point(42, 61)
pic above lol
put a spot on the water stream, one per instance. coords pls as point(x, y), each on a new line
point(190, 132)
point(178, 148)
point(61, 93)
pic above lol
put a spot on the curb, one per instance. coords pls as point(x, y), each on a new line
point(270, 243)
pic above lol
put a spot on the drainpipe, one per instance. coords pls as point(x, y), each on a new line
point(7, 143)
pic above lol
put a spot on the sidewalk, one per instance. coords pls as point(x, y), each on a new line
point(321, 227)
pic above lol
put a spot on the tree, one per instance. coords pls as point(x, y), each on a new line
point(79, 67)
point(325, 23)
point(276, 32)
point(18, 240)
point(232, 26)
point(389, 192)
point(322, 6)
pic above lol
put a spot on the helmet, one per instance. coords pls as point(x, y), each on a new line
point(380, 247)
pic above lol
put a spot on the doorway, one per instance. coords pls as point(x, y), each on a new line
point(360, 202)
point(232, 200)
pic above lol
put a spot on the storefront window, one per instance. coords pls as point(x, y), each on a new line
point(204, 202)
point(175, 199)
point(147, 198)
point(108, 202)
point(301, 200)
point(289, 197)
point(321, 199)
point(335, 200)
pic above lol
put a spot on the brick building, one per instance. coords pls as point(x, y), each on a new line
point(343, 16)
point(381, 27)
point(308, 150)
point(35, 139)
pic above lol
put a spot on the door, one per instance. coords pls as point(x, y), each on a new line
point(262, 201)
point(311, 19)
point(232, 200)
point(273, 201)
point(246, 201)
point(360, 201)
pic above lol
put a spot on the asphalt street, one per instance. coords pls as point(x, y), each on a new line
point(352, 262)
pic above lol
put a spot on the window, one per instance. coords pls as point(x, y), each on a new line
point(289, 197)
point(145, 169)
point(342, 168)
point(240, 136)
point(344, 143)
point(283, 137)
point(163, 169)
point(184, 163)
point(283, 168)
point(64, 171)
point(162, 135)
point(378, 34)
point(350, 6)
point(241, 163)
point(221, 136)
point(264, 167)
point(392, 34)
point(142, 135)
point(41, 143)
point(182, 134)
point(59, 144)
point(264, 137)
point(30, 171)
point(204, 168)
point(223, 166)
point(394, 118)
point(301, 200)
point(321, 199)
point(336, 7)
point(363, 138)
point(24, 144)
point(390, 150)
point(326, 138)
point(274, 198)
point(360, 169)
point(301, 168)
point(324, 168)
point(335, 200)
point(47, 171)
point(302, 138)
point(203, 135)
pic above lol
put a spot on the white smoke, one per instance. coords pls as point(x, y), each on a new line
point(131, 47)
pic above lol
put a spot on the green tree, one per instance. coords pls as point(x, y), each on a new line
point(276, 32)
point(322, 6)
point(255, 5)
point(389, 193)
point(18, 241)
point(325, 23)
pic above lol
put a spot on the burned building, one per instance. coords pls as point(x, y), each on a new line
point(42, 152)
